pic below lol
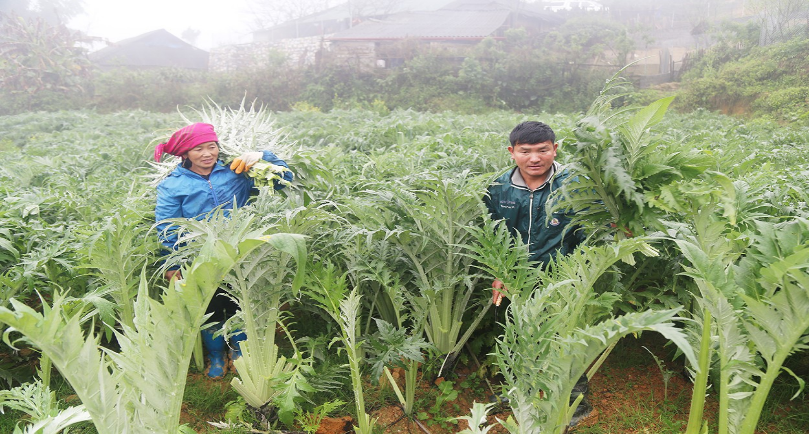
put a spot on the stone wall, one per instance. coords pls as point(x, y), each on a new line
point(358, 55)
point(296, 52)
point(368, 55)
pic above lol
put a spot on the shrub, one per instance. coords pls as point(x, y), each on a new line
point(769, 80)
point(42, 66)
point(788, 104)
point(158, 90)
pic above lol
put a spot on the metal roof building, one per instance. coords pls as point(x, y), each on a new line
point(342, 17)
point(343, 11)
point(442, 24)
point(155, 49)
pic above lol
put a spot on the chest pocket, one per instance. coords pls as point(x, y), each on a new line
point(555, 224)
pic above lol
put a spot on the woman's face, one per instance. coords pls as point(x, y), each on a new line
point(203, 157)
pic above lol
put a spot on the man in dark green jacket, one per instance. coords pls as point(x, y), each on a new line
point(519, 197)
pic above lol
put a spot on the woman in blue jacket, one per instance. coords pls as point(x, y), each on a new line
point(193, 189)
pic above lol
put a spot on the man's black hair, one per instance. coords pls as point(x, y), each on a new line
point(531, 132)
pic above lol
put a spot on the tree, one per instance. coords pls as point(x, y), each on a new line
point(582, 40)
point(52, 11)
point(36, 56)
point(365, 8)
point(780, 18)
point(190, 35)
point(270, 13)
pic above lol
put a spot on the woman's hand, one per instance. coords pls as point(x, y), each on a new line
point(245, 161)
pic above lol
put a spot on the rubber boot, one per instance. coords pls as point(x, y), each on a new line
point(234, 349)
point(584, 408)
point(215, 352)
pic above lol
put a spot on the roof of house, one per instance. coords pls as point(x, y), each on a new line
point(533, 10)
point(157, 48)
point(441, 24)
point(342, 11)
point(483, 5)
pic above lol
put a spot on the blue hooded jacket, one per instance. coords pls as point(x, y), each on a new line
point(186, 194)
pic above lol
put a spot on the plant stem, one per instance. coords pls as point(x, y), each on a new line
point(410, 386)
point(423, 428)
point(597, 364)
point(701, 382)
point(359, 400)
point(724, 393)
point(763, 390)
point(198, 354)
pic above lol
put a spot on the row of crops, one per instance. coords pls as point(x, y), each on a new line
point(698, 229)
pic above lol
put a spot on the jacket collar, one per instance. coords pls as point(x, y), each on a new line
point(518, 181)
point(180, 170)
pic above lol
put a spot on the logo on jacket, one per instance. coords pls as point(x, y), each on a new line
point(508, 204)
point(554, 221)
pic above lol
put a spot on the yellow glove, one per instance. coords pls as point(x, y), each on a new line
point(245, 162)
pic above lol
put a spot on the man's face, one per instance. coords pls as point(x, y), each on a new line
point(534, 159)
point(203, 157)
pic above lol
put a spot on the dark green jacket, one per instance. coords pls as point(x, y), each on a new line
point(524, 212)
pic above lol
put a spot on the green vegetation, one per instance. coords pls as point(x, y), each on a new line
point(384, 233)
point(769, 81)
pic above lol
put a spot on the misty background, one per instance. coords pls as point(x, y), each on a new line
point(463, 55)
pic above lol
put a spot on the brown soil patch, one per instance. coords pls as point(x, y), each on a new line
point(335, 425)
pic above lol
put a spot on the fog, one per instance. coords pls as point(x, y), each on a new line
point(218, 22)
point(209, 24)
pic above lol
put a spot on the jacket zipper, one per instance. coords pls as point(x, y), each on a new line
point(213, 193)
point(530, 218)
point(549, 182)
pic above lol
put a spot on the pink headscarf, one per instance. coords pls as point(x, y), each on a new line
point(185, 139)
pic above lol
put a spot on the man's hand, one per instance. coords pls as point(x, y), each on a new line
point(245, 162)
point(627, 232)
point(171, 274)
point(497, 292)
